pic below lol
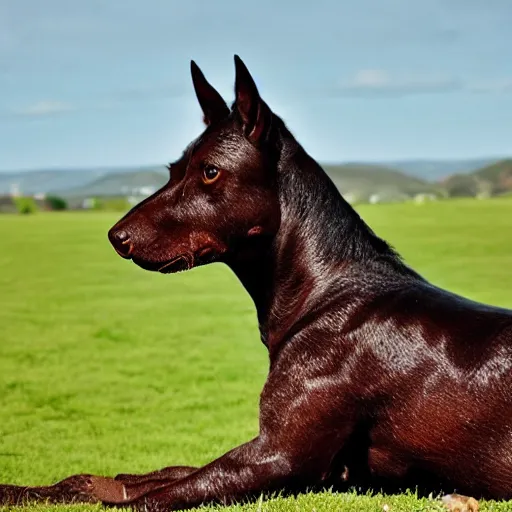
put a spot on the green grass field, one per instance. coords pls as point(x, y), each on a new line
point(106, 368)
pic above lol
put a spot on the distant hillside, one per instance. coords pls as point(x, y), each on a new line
point(46, 180)
point(491, 180)
point(121, 183)
point(358, 182)
point(71, 181)
point(57, 180)
point(435, 170)
point(34, 182)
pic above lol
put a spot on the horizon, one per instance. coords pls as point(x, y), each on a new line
point(107, 85)
point(377, 163)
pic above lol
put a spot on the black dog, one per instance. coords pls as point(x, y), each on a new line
point(377, 377)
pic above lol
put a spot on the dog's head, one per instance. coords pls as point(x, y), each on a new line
point(220, 192)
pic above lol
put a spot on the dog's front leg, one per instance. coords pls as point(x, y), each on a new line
point(87, 488)
point(73, 489)
point(300, 432)
point(246, 471)
point(167, 473)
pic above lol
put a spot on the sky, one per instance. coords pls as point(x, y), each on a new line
point(107, 83)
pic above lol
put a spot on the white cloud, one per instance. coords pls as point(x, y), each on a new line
point(499, 86)
point(111, 100)
point(371, 78)
point(379, 83)
point(44, 108)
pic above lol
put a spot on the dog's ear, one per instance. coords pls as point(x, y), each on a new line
point(255, 113)
point(213, 106)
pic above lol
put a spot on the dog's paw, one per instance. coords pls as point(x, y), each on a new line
point(459, 503)
point(109, 490)
point(74, 489)
point(11, 495)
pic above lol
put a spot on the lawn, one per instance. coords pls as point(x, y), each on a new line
point(106, 368)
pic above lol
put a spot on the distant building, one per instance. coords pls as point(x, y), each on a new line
point(15, 190)
point(88, 203)
point(388, 195)
point(133, 200)
point(145, 191)
point(424, 198)
point(353, 197)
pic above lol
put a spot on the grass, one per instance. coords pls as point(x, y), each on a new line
point(106, 368)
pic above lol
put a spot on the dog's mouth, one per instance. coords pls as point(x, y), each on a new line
point(172, 266)
point(180, 263)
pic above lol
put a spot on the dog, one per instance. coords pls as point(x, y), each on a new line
point(378, 378)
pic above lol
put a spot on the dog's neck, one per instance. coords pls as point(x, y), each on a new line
point(321, 238)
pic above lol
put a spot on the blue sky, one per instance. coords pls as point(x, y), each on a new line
point(96, 82)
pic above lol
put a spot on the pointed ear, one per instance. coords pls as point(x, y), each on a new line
point(255, 114)
point(213, 106)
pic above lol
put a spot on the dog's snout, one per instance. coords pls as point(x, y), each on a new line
point(122, 242)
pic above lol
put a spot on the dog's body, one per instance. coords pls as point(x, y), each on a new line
point(377, 377)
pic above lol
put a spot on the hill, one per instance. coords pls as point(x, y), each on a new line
point(435, 170)
point(42, 181)
point(359, 182)
point(135, 182)
point(491, 180)
point(57, 180)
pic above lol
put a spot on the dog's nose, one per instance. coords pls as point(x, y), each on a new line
point(122, 243)
point(121, 236)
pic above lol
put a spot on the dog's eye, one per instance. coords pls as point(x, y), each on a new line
point(210, 174)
